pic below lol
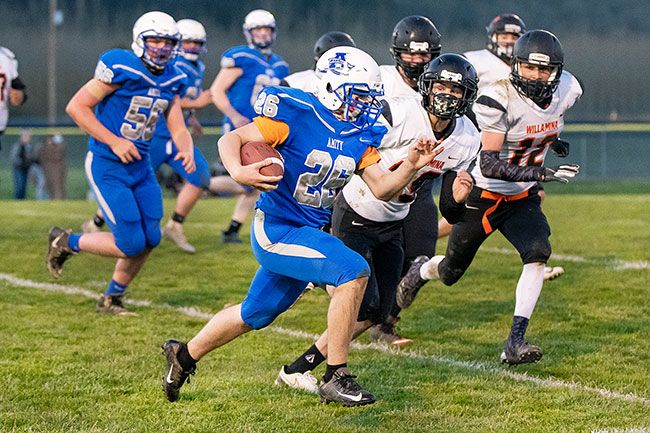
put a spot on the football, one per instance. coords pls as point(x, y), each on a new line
point(256, 151)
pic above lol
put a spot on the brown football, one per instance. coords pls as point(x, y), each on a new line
point(256, 151)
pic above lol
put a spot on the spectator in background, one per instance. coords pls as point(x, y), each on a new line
point(22, 157)
point(52, 159)
point(12, 90)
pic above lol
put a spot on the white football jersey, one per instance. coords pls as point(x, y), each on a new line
point(489, 67)
point(528, 129)
point(303, 80)
point(8, 72)
point(394, 84)
point(410, 121)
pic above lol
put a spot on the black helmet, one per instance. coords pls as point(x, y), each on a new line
point(537, 47)
point(415, 35)
point(448, 68)
point(331, 40)
point(504, 23)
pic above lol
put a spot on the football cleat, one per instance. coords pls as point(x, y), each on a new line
point(520, 353)
point(174, 232)
point(176, 375)
point(302, 381)
point(230, 238)
point(89, 226)
point(112, 305)
point(342, 388)
point(58, 250)
point(551, 273)
point(386, 333)
point(411, 283)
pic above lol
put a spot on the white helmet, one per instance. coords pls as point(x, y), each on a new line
point(192, 30)
point(155, 25)
point(345, 72)
point(255, 19)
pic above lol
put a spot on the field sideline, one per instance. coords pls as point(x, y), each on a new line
point(66, 369)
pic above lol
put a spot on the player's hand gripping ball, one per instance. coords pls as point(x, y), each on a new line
point(256, 151)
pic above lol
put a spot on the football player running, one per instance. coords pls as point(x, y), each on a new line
point(163, 150)
point(324, 138)
point(373, 227)
point(120, 108)
point(492, 64)
point(414, 42)
point(12, 94)
point(307, 80)
point(519, 119)
point(244, 71)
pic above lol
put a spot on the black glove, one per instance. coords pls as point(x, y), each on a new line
point(560, 148)
point(561, 173)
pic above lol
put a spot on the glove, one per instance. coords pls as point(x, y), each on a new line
point(560, 148)
point(561, 173)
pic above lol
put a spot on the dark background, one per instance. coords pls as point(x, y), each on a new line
point(607, 44)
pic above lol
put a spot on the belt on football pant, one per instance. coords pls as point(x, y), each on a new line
point(499, 198)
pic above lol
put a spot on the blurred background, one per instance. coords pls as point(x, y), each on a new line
point(605, 43)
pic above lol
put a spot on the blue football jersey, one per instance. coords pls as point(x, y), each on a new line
point(133, 110)
point(258, 71)
point(320, 154)
point(192, 89)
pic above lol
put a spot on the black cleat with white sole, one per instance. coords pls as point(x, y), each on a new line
point(342, 388)
point(520, 353)
point(175, 375)
point(411, 283)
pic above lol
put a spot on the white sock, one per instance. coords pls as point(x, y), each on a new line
point(429, 270)
point(528, 289)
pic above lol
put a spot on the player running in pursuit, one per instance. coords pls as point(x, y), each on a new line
point(519, 118)
point(373, 227)
point(324, 138)
point(244, 71)
point(163, 150)
point(120, 108)
point(493, 63)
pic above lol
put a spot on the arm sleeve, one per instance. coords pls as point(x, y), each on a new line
point(495, 168)
point(274, 131)
point(17, 84)
point(369, 157)
point(449, 209)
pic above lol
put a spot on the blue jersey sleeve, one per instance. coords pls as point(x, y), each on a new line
point(282, 104)
point(235, 58)
point(112, 67)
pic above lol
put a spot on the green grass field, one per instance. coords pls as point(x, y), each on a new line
point(65, 368)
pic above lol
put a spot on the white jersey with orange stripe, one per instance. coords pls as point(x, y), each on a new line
point(409, 121)
point(528, 128)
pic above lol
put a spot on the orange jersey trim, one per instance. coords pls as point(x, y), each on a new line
point(274, 131)
point(370, 156)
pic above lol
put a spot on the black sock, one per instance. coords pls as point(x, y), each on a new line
point(178, 218)
point(309, 360)
point(186, 360)
point(331, 369)
point(234, 227)
point(98, 220)
point(518, 329)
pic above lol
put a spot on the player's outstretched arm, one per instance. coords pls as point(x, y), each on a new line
point(385, 186)
point(180, 135)
point(81, 110)
point(230, 152)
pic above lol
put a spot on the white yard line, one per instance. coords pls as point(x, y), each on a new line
point(613, 264)
point(438, 359)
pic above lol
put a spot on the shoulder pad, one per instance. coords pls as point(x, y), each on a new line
point(7, 52)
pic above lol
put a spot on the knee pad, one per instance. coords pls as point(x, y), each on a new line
point(131, 245)
point(537, 251)
point(259, 316)
point(152, 232)
point(355, 267)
